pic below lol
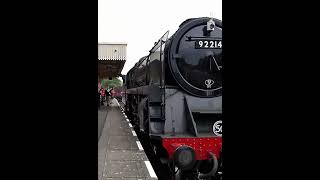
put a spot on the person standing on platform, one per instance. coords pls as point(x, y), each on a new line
point(111, 92)
point(102, 95)
point(107, 97)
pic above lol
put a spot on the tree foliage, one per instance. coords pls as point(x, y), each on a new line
point(115, 82)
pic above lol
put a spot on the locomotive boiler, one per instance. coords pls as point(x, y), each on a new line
point(174, 96)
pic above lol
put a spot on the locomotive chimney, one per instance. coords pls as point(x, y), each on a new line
point(210, 25)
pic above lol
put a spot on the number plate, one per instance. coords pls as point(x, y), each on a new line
point(208, 44)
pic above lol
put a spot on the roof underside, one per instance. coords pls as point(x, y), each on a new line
point(111, 59)
point(110, 68)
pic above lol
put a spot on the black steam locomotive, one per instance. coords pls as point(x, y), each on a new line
point(174, 95)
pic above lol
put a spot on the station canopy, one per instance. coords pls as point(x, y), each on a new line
point(111, 59)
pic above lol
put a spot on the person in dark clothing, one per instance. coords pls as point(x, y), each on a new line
point(111, 92)
point(106, 93)
point(102, 95)
point(107, 97)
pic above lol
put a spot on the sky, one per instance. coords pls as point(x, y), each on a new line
point(140, 23)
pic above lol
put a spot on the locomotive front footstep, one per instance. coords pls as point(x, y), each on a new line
point(121, 155)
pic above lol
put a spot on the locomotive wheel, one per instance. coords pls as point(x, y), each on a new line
point(180, 175)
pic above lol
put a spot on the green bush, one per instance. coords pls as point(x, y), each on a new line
point(115, 82)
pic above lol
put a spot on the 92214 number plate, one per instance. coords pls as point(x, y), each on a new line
point(208, 44)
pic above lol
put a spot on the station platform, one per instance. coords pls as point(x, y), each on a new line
point(120, 153)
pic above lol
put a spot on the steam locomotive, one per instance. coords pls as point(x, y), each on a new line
point(174, 96)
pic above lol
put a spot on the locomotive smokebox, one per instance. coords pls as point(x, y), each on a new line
point(195, 58)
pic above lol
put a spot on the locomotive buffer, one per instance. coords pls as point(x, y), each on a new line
point(120, 153)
